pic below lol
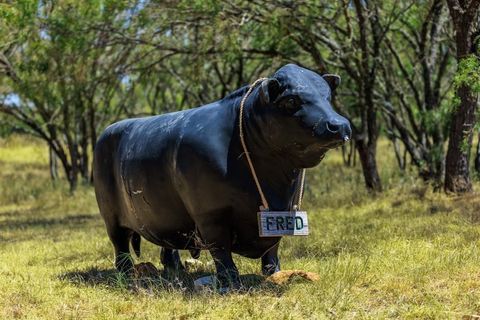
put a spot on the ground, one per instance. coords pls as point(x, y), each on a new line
point(407, 253)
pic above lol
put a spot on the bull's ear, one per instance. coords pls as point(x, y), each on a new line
point(270, 90)
point(333, 80)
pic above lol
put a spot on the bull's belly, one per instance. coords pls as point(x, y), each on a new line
point(189, 239)
point(185, 236)
point(185, 239)
point(178, 234)
point(254, 248)
point(164, 223)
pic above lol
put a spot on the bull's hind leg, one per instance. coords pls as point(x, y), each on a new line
point(170, 259)
point(120, 238)
point(109, 199)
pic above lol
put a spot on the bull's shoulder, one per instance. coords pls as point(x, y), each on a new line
point(209, 125)
point(205, 138)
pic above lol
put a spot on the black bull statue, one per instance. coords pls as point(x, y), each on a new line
point(181, 180)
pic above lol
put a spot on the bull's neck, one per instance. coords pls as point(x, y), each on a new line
point(276, 173)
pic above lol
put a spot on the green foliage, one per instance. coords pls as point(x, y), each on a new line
point(5, 127)
point(468, 73)
point(70, 71)
point(118, 59)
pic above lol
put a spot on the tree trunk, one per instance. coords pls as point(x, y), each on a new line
point(368, 160)
point(93, 135)
point(477, 156)
point(84, 158)
point(438, 173)
point(348, 154)
point(72, 180)
point(400, 158)
point(457, 175)
point(53, 165)
point(367, 147)
point(72, 173)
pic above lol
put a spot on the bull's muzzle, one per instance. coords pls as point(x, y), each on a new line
point(335, 131)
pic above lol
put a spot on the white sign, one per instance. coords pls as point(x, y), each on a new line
point(282, 223)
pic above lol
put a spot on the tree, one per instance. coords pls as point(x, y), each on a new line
point(352, 46)
point(69, 75)
point(73, 67)
point(457, 177)
point(296, 32)
point(417, 75)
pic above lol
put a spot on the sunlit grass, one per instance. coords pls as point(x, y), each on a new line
point(408, 253)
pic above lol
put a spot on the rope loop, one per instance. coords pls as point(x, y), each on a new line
point(300, 187)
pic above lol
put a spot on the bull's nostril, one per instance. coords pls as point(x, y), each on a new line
point(332, 127)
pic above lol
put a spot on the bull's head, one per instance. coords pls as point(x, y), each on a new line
point(296, 108)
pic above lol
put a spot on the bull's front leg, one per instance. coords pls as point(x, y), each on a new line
point(227, 272)
point(270, 261)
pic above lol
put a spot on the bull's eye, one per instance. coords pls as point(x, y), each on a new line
point(290, 104)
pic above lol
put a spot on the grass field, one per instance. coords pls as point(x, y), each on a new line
point(407, 253)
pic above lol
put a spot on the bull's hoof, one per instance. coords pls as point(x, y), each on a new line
point(124, 265)
point(229, 278)
point(270, 269)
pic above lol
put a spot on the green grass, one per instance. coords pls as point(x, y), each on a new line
point(407, 253)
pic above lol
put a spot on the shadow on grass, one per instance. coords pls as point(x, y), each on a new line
point(20, 228)
point(182, 282)
point(78, 220)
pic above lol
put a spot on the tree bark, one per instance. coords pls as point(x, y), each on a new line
point(367, 155)
point(84, 158)
point(367, 145)
point(477, 156)
point(53, 164)
point(93, 136)
point(73, 170)
point(457, 175)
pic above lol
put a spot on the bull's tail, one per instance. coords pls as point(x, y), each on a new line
point(136, 239)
